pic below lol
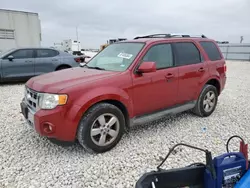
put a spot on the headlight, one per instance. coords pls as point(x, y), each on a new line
point(50, 101)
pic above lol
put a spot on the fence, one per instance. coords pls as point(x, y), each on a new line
point(235, 51)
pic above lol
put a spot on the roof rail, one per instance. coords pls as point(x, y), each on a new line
point(169, 36)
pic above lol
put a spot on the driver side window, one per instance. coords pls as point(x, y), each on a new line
point(22, 54)
point(161, 54)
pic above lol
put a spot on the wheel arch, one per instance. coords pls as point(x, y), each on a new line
point(119, 105)
point(62, 65)
point(118, 98)
point(215, 82)
point(211, 81)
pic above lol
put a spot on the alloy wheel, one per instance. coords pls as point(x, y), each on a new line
point(105, 129)
point(209, 101)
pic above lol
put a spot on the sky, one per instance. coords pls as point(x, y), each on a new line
point(100, 20)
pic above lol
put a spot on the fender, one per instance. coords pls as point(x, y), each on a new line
point(100, 94)
point(203, 82)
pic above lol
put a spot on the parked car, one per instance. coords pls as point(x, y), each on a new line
point(128, 83)
point(24, 63)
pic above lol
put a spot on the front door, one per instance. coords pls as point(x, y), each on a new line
point(21, 67)
point(157, 90)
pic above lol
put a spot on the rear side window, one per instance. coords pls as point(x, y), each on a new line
point(42, 53)
point(186, 53)
point(161, 54)
point(211, 50)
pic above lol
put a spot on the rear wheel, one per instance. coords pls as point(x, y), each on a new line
point(207, 101)
point(101, 128)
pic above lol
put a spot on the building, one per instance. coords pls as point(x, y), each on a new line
point(19, 29)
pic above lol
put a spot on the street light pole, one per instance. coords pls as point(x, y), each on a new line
point(77, 38)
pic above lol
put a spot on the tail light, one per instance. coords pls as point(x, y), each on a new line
point(225, 68)
point(78, 59)
point(81, 59)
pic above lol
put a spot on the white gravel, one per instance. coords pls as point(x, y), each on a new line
point(27, 160)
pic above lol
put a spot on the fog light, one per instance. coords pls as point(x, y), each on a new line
point(48, 128)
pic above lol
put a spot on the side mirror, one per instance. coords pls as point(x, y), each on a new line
point(147, 67)
point(10, 57)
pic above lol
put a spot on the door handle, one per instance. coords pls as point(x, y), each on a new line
point(28, 61)
point(169, 75)
point(201, 69)
point(54, 59)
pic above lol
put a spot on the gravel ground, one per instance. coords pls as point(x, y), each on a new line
point(27, 160)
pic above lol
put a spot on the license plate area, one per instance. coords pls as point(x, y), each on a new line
point(30, 117)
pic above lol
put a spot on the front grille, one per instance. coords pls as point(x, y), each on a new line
point(31, 98)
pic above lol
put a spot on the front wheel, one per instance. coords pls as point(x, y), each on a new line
point(207, 101)
point(101, 128)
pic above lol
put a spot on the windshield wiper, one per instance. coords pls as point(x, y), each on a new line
point(98, 68)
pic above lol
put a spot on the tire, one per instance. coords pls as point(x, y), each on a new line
point(203, 107)
point(97, 117)
point(62, 67)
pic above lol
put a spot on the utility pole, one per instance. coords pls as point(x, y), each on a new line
point(77, 38)
point(241, 39)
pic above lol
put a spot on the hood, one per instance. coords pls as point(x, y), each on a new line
point(55, 81)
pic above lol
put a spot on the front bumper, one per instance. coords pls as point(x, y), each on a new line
point(27, 113)
point(60, 123)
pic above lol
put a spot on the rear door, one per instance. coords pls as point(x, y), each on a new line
point(46, 60)
point(157, 90)
point(192, 70)
point(19, 68)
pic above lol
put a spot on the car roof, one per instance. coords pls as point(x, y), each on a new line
point(35, 48)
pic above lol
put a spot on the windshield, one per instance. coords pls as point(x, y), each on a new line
point(116, 57)
point(5, 52)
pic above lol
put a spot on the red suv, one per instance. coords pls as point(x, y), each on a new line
point(128, 83)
